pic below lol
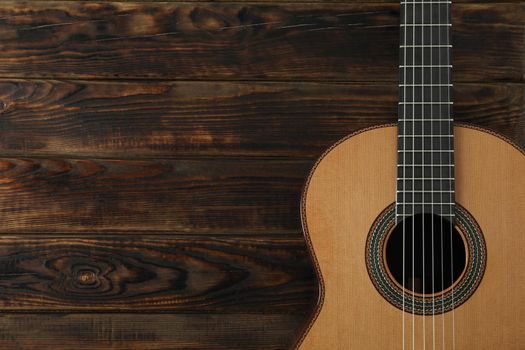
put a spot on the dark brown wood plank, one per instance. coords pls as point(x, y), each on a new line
point(126, 120)
point(298, 1)
point(237, 41)
point(132, 273)
point(148, 332)
point(192, 196)
point(499, 108)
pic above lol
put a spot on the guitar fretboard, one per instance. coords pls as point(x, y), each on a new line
point(425, 176)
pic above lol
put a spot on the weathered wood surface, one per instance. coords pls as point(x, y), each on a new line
point(148, 331)
point(236, 41)
point(173, 119)
point(278, 2)
point(130, 273)
point(172, 196)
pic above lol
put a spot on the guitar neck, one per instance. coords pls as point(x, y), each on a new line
point(426, 145)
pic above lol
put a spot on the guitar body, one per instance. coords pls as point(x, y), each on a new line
point(351, 186)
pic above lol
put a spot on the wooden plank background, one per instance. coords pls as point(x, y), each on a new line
point(152, 156)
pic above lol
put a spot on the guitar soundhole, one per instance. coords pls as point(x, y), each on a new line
point(454, 262)
point(434, 254)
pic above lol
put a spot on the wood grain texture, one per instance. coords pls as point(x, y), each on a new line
point(176, 196)
point(292, 1)
point(236, 41)
point(166, 119)
point(135, 274)
point(148, 332)
point(348, 190)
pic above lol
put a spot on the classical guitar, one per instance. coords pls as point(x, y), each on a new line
point(417, 230)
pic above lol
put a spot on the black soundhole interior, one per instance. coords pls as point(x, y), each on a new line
point(428, 236)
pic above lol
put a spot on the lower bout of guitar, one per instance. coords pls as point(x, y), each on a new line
point(349, 188)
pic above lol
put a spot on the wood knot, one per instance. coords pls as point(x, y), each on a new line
point(4, 106)
point(86, 277)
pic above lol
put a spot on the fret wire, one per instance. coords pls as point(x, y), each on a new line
point(426, 120)
point(426, 85)
point(440, 214)
point(427, 191)
point(427, 151)
point(424, 46)
point(426, 25)
point(426, 203)
point(427, 103)
point(425, 135)
point(425, 3)
point(424, 178)
point(429, 166)
point(426, 66)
